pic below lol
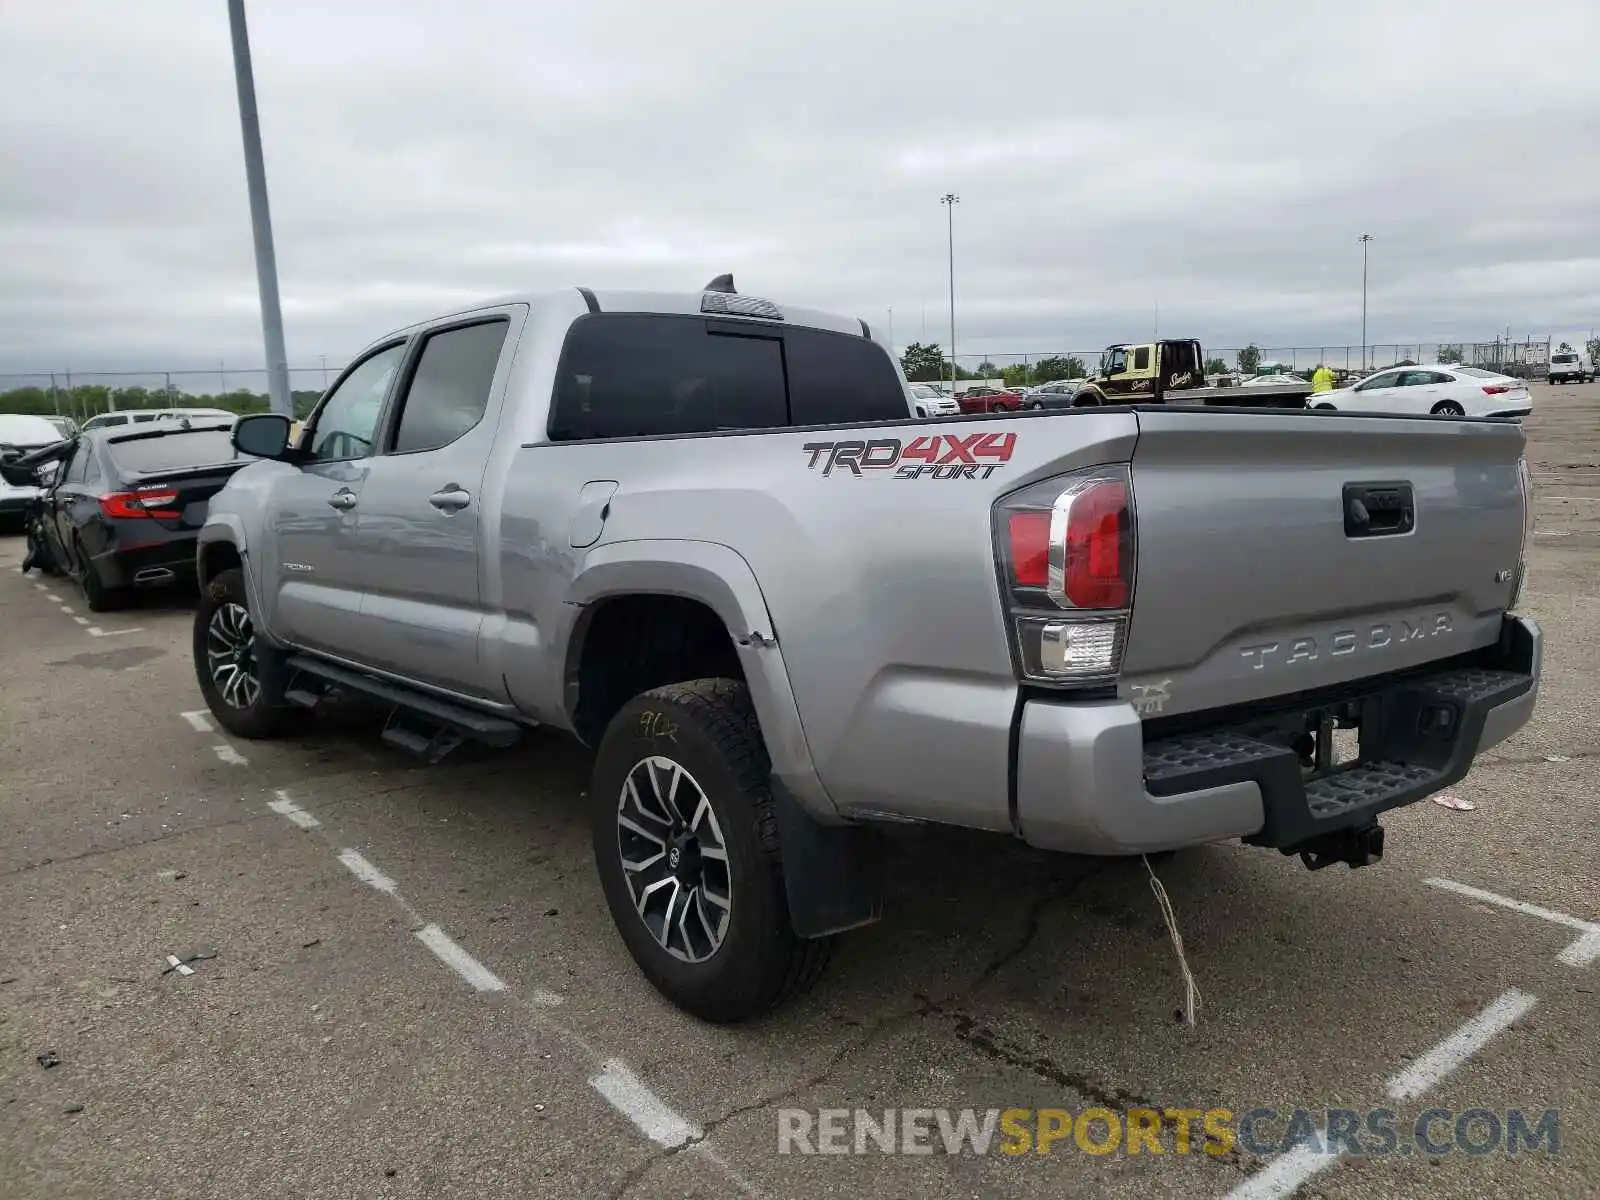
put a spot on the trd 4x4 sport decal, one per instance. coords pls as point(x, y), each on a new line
point(934, 456)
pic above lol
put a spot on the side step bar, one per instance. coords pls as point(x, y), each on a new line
point(425, 725)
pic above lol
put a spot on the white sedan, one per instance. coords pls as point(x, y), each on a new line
point(929, 401)
point(1438, 388)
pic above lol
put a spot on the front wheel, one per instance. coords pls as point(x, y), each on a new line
point(1325, 407)
point(686, 843)
point(1448, 408)
point(242, 678)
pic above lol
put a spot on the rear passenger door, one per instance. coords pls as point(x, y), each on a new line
point(420, 526)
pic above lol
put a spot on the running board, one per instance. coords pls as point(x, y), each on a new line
point(423, 724)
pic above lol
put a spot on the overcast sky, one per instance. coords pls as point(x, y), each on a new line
point(1216, 158)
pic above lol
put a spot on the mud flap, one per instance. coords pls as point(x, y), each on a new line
point(833, 874)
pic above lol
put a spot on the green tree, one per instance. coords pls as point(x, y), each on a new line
point(1215, 366)
point(1249, 359)
point(1594, 350)
point(1450, 353)
point(1564, 348)
point(924, 363)
point(986, 370)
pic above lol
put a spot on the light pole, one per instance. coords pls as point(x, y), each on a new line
point(1365, 239)
point(255, 174)
point(891, 329)
point(950, 200)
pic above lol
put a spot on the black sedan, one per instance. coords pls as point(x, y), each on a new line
point(124, 504)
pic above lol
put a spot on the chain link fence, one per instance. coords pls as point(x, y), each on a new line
point(82, 394)
point(1527, 359)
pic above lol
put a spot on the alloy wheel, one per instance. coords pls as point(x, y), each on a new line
point(231, 655)
point(674, 859)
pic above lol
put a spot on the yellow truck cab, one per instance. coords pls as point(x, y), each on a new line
point(1173, 372)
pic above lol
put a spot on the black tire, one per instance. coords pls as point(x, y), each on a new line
point(1034, 404)
point(708, 729)
point(1448, 408)
point(1325, 407)
point(96, 595)
point(257, 711)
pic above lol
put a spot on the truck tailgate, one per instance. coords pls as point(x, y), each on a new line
point(1275, 554)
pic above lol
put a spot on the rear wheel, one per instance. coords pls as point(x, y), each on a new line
point(1325, 407)
point(1448, 408)
point(686, 843)
point(1034, 404)
point(242, 677)
point(96, 595)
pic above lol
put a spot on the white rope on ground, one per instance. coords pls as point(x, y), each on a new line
point(1191, 990)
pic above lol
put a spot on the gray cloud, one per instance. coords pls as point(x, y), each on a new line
point(1217, 158)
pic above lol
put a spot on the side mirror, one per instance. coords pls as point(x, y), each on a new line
point(262, 435)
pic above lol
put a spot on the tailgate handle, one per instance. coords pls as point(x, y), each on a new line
point(1378, 509)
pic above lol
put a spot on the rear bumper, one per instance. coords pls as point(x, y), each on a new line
point(1512, 412)
point(151, 564)
point(1088, 781)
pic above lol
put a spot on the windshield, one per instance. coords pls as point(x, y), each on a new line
point(1565, 358)
point(174, 451)
point(19, 429)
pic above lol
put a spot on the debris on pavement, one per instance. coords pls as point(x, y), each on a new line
point(49, 1059)
point(1556, 758)
point(311, 943)
point(1454, 802)
point(73, 1108)
point(180, 963)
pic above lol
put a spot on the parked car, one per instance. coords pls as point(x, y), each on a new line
point(1056, 394)
point(929, 401)
point(1173, 372)
point(981, 398)
point(1567, 367)
point(124, 506)
point(138, 416)
point(1440, 389)
point(593, 511)
point(21, 434)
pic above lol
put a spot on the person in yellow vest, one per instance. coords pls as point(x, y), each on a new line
point(1322, 379)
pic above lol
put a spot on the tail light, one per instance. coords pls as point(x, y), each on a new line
point(1494, 389)
point(1525, 478)
point(1067, 564)
point(127, 505)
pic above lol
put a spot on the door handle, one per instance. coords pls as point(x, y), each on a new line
point(344, 500)
point(450, 498)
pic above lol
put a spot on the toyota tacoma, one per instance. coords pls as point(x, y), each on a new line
point(705, 534)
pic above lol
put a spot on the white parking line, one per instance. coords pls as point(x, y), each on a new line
point(1285, 1175)
point(81, 620)
point(366, 872)
point(1579, 954)
point(1476, 1033)
point(230, 756)
point(285, 807)
point(96, 631)
point(199, 720)
point(447, 951)
point(627, 1094)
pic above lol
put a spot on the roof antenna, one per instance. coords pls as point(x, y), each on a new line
point(722, 283)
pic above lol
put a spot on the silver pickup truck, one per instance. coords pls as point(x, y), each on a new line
point(704, 534)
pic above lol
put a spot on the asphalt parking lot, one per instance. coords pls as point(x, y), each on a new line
point(416, 989)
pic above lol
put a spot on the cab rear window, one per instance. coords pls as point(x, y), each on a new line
point(642, 375)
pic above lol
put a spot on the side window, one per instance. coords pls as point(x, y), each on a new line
point(635, 375)
point(1141, 359)
point(1116, 362)
point(348, 420)
point(838, 377)
point(1388, 379)
point(91, 467)
point(450, 388)
point(78, 469)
